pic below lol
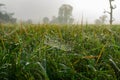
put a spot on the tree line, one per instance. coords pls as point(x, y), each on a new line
point(6, 17)
point(64, 16)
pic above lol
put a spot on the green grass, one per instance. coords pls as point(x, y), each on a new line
point(59, 52)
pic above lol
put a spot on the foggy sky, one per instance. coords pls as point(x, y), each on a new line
point(37, 9)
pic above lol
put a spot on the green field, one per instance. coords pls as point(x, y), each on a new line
point(59, 52)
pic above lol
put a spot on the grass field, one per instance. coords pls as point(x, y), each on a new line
point(59, 52)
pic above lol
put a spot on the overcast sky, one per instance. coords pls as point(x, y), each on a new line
point(37, 9)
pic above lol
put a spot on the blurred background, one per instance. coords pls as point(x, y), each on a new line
point(36, 10)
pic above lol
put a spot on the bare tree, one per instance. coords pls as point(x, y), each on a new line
point(111, 11)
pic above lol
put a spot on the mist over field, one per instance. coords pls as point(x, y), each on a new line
point(59, 39)
point(37, 9)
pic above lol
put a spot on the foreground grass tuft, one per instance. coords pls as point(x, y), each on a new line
point(59, 52)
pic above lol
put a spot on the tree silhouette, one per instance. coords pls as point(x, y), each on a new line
point(65, 13)
point(6, 17)
point(45, 20)
point(101, 20)
point(111, 11)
